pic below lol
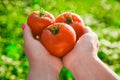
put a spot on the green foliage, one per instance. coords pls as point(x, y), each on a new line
point(102, 16)
point(65, 74)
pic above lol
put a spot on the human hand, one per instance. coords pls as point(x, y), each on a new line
point(85, 50)
point(43, 66)
point(86, 47)
point(83, 62)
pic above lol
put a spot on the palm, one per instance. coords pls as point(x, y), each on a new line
point(36, 52)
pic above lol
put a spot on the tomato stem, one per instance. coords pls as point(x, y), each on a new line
point(42, 13)
point(69, 19)
point(54, 30)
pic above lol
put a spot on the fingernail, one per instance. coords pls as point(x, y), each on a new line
point(23, 26)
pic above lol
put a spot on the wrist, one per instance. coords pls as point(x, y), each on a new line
point(42, 70)
point(43, 73)
point(82, 67)
point(94, 69)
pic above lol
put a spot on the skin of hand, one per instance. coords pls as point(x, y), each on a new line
point(83, 61)
point(43, 66)
point(86, 46)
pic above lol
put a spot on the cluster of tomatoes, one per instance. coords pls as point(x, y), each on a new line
point(58, 35)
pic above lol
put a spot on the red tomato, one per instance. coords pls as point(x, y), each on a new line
point(74, 20)
point(38, 21)
point(58, 39)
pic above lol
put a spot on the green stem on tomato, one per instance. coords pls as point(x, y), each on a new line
point(69, 20)
point(54, 30)
point(42, 13)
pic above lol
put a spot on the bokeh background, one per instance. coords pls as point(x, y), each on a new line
point(103, 16)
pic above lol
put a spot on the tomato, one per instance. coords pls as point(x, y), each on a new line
point(73, 20)
point(38, 21)
point(58, 39)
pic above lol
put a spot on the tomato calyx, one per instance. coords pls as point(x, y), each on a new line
point(68, 19)
point(42, 13)
point(54, 30)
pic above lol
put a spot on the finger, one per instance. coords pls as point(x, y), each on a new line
point(87, 29)
point(27, 32)
point(89, 33)
point(28, 38)
point(32, 45)
point(89, 38)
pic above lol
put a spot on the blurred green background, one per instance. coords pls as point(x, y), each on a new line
point(103, 16)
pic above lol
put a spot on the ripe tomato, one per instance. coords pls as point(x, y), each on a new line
point(74, 20)
point(38, 21)
point(58, 39)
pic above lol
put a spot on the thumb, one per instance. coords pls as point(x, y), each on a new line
point(87, 29)
point(28, 37)
point(89, 42)
point(27, 32)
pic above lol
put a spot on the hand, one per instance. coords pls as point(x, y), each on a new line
point(86, 47)
point(43, 66)
point(82, 55)
point(83, 62)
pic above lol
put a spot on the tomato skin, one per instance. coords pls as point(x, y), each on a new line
point(79, 29)
point(37, 23)
point(61, 43)
point(73, 20)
